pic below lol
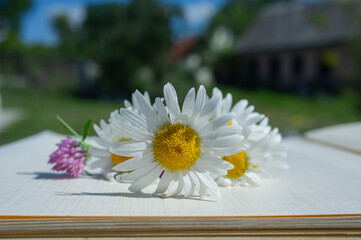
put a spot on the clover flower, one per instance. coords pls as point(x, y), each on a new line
point(70, 157)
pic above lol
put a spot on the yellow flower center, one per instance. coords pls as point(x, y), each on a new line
point(116, 159)
point(176, 147)
point(240, 164)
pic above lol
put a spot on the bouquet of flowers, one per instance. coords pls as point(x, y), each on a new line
point(190, 149)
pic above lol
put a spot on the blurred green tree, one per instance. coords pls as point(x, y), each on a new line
point(355, 49)
point(11, 12)
point(237, 15)
point(67, 35)
point(121, 39)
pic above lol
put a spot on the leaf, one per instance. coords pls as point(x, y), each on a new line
point(88, 173)
point(86, 129)
point(67, 127)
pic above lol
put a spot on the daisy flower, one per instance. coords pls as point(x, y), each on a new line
point(108, 134)
point(245, 116)
point(105, 160)
point(181, 146)
point(260, 159)
point(135, 106)
point(261, 151)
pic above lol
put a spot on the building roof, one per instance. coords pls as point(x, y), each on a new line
point(182, 48)
point(295, 25)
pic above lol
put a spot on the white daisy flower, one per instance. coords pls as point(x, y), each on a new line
point(259, 160)
point(107, 135)
point(181, 146)
point(135, 106)
point(261, 152)
point(245, 116)
point(105, 160)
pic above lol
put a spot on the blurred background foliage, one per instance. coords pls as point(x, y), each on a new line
point(120, 47)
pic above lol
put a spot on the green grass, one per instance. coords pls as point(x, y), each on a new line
point(289, 113)
point(41, 107)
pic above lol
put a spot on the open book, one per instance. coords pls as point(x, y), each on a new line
point(319, 195)
point(344, 136)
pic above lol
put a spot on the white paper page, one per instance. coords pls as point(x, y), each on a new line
point(346, 136)
point(321, 180)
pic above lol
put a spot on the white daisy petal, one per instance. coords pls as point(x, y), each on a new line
point(252, 178)
point(135, 102)
point(180, 184)
point(215, 124)
point(131, 145)
point(151, 117)
point(101, 142)
point(98, 152)
point(146, 96)
point(97, 129)
point(209, 108)
point(132, 132)
point(216, 162)
point(218, 92)
point(108, 175)
point(240, 106)
point(162, 111)
point(254, 119)
point(188, 103)
point(127, 148)
point(171, 99)
point(146, 180)
point(133, 163)
point(127, 104)
point(172, 187)
point(202, 189)
point(210, 168)
point(264, 122)
point(225, 151)
point(207, 180)
point(200, 99)
point(223, 181)
point(222, 132)
point(103, 124)
point(195, 181)
point(99, 163)
point(227, 104)
point(188, 186)
point(224, 141)
point(179, 188)
point(164, 182)
point(134, 118)
point(242, 117)
point(140, 172)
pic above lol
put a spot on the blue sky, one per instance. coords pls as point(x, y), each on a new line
point(37, 27)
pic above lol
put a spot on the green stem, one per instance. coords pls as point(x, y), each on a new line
point(67, 127)
point(87, 173)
